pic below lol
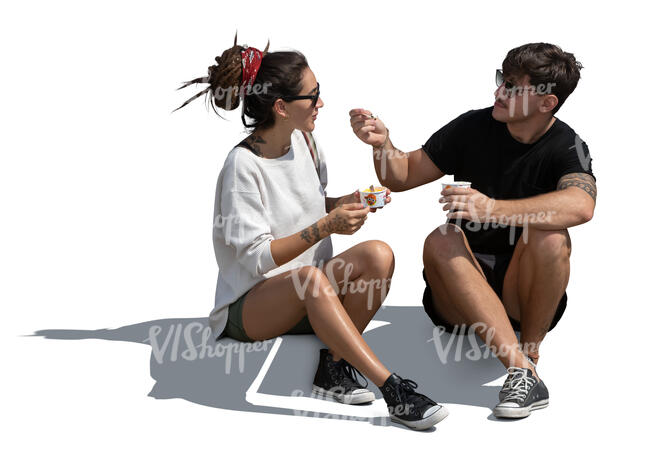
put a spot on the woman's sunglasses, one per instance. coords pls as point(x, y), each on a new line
point(313, 98)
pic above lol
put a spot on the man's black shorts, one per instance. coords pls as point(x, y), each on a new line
point(494, 267)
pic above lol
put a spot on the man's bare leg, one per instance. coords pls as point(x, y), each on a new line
point(536, 279)
point(463, 296)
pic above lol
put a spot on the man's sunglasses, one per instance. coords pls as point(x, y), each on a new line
point(313, 98)
point(500, 79)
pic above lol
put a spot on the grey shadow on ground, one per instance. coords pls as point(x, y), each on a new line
point(187, 363)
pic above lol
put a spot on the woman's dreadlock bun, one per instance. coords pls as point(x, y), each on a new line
point(279, 75)
point(224, 80)
point(224, 76)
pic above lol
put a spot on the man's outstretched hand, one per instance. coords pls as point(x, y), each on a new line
point(369, 130)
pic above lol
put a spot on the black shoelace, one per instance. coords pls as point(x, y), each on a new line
point(350, 376)
point(406, 394)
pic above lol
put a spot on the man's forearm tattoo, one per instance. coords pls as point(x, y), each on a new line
point(581, 180)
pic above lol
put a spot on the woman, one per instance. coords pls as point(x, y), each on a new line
point(272, 231)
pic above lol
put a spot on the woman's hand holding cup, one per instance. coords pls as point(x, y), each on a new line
point(356, 197)
point(346, 218)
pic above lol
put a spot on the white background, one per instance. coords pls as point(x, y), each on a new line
point(107, 199)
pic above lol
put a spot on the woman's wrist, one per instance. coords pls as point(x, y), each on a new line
point(324, 227)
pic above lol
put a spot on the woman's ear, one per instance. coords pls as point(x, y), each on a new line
point(280, 109)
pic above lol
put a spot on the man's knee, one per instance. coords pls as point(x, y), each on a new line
point(443, 243)
point(549, 243)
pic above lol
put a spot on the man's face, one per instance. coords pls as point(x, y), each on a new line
point(517, 100)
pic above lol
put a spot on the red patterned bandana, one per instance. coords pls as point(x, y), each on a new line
point(251, 58)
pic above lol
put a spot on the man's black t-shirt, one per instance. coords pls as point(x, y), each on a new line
point(479, 149)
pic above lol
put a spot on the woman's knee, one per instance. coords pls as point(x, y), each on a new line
point(378, 255)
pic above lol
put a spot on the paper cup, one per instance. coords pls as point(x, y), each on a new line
point(456, 184)
point(373, 199)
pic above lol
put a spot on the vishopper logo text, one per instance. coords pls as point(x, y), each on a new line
point(463, 333)
point(382, 420)
point(193, 341)
point(540, 89)
point(233, 92)
point(227, 223)
point(330, 286)
point(513, 222)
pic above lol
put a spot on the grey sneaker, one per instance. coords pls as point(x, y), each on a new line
point(506, 385)
point(524, 394)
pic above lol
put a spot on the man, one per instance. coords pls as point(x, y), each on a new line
point(501, 262)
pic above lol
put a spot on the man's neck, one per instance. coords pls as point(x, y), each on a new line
point(271, 143)
point(530, 130)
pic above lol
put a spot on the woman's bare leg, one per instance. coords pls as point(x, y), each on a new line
point(275, 305)
point(362, 276)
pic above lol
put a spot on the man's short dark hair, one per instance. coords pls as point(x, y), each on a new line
point(545, 64)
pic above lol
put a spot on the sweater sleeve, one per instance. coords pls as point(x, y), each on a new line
point(246, 225)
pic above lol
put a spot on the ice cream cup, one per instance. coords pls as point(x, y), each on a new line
point(373, 199)
point(456, 184)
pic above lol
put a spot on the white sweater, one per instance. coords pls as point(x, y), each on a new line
point(258, 200)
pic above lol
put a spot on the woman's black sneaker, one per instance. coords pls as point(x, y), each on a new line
point(523, 394)
point(339, 380)
point(408, 407)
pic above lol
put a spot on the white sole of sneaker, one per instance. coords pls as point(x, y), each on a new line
point(426, 423)
point(347, 399)
point(514, 413)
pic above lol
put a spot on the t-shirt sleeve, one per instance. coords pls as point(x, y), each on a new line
point(444, 146)
point(571, 158)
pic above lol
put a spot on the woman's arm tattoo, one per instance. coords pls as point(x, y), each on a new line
point(336, 224)
point(314, 233)
point(311, 234)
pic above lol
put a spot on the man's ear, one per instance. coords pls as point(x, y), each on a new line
point(549, 102)
point(280, 108)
